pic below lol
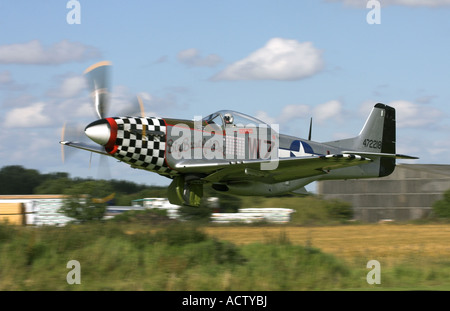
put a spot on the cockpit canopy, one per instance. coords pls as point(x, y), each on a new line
point(226, 118)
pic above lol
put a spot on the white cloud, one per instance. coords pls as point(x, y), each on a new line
point(413, 115)
point(408, 114)
point(279, 59)
point(192, 57)
point(264, 116)
point(31, 116)
point(70, 86)
point(291, 112)
point(321, 113)
point(329, 110)
point(411, 3)
point(85, 109)
point(34, 53)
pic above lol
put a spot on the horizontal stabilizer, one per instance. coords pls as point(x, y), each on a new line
point(380, 155)
point(93, 148)
point(301, 192)
point(407, 157)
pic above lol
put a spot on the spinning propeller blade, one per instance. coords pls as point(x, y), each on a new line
point(98, 80)
point(141, 107)
point(71, 132)
point(63, 132)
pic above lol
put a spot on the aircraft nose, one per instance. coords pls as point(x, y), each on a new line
point(99, 131)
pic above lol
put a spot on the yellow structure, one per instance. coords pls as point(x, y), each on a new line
point(13, 207)
point(12, 213)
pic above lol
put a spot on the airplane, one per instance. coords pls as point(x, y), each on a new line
point(232, 152)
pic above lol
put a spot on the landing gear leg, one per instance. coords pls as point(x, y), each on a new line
point(181, 192)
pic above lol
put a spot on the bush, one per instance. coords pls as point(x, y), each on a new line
point(441, 208)
point(339, 210)
point(7, 231)
point(80, 203)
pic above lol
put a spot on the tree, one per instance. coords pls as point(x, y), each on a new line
point(15, 179)
point(53, 186)
point(80, 203)
point(441, 208)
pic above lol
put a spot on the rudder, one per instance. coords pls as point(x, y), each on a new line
point(387, 165)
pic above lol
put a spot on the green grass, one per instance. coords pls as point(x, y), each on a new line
point(183, 257)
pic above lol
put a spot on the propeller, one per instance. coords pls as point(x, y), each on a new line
point(141, 107)
point(97, 77)
point(98, 80)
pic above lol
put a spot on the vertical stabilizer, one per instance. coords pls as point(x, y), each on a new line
point(376, 137)
point(378, 133)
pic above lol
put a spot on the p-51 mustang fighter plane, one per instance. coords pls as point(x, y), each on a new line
point(233, 152)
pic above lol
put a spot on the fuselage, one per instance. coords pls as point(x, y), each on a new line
point(158, 144)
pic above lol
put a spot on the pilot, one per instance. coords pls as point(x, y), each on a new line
point(228, 118)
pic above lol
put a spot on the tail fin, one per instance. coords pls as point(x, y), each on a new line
point(378, 136)
point(376, 139)
point(378, 133)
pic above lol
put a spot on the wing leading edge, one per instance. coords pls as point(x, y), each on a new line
point(93, 148)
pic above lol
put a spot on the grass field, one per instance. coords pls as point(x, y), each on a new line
point(411, 256)
point(387, 243)
point(182, 257)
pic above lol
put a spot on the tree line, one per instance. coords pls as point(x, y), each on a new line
point(16, 180)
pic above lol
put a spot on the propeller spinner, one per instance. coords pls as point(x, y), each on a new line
point(99, 131)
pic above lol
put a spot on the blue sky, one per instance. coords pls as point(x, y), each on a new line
point(281, 61)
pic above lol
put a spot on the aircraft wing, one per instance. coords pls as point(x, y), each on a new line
point(287, 168)
point(93, 148)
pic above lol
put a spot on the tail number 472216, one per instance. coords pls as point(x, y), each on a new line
point(370, 143)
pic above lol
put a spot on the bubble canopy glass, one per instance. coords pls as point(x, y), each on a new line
point(233, 118)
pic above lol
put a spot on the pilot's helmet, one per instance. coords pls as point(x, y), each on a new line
point(228, 118)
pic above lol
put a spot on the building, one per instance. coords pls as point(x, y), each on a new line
point(408, 193)
point(35, 210)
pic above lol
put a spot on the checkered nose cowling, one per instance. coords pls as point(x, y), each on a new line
point(141, 142)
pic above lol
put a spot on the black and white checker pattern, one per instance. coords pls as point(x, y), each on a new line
point(143, 152)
